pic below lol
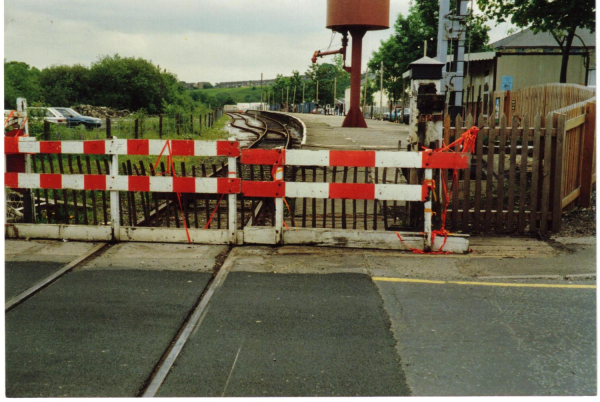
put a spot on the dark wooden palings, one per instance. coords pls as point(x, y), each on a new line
point(196, 202)
point(365, 201)
point(345, 180)
point(545, 207)
point(332, 200)
point(354, 180)
point(314, 200)
point(36, 193)
point(167, 197)
point(146, 195)
point(67, 216)
point(385, 206)
point(104, 205)
point(478, 175)
point(376, 177)
point(467, 186)
point(557, 207)
point(325, 200)
point(143, 199)
point(92, 192)
point(523, 174)
point(74, 192)
point(535, 173)
point(253, 200)
point(397, 174)
point(184, 200)
point(130, 203)
point(83, 193)
point(456, 177)
point(47, 206)
point(303, 169)
point(489, 172)
point(514, 137)
point(500, 187)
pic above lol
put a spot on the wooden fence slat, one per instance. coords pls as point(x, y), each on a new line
point(344, 179)
point(478, 172)
point(514, 136)
point(587, 155)
point(456, 175)
point(523, 174)
point(325, 200)
point(55, 207)
point(333, 175)
point(467, 185)
point(303, 168)
point(546, 177)
point(535, 173)
point(314, 201)
point(355, 180)
point(557, 208)
point(92, 193)
point(489, 174)
point(500, 186)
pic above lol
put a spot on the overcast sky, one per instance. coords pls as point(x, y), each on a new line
point(198, 40)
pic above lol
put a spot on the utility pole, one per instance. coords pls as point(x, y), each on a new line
point(303, 87)
point(287, 99)
point(261, 91)
point(281, 95)
point(334, 91)
point(425, 48)
point(294, 100)
point(381, 94)
point(366, 85)
point(317, 97)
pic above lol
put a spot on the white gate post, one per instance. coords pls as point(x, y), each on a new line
point(114, 198)
point(428, 211)
point(279, 209)
point(232, 169)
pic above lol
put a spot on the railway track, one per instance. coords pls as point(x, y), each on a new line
point(268, 133)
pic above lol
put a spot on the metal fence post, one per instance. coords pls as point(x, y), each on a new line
point(279, 209)
point(232, 173)
point(114, 198)
point(428, 212)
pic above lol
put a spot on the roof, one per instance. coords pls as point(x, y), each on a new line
point(474, 56)
point(426, 60)
point(528, 39)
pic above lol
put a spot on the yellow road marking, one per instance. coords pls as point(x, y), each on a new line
point(516, 285)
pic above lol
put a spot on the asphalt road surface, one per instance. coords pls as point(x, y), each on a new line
point(282, 324)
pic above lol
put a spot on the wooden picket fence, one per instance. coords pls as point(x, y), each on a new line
point(523, 174)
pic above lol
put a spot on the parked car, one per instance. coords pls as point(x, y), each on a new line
point(46, 114)
point(397, 115)
point(75, 119)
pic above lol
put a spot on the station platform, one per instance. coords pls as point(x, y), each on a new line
point(326, 132)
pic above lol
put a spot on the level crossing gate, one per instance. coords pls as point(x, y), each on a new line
point(232, 186)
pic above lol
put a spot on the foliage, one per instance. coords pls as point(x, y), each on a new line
point(113, 81)
point(329, 76)
point(406, 43)
point(20, 80)
point(559, 17)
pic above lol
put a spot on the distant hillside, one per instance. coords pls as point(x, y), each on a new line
point(224, 96)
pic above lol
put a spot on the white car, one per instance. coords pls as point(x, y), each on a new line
point(48, 114)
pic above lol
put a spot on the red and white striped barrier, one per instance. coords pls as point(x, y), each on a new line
point(420, 160)
point(17, 145)
point(123, 183)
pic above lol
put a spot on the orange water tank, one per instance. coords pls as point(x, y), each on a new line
point(371, 15)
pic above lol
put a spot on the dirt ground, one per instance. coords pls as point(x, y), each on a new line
point(579, 222)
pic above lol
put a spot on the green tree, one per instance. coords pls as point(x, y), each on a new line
point(559, 17)
point(20, 80)
point(65, 85)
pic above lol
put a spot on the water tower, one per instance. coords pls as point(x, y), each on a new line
point(355, 17)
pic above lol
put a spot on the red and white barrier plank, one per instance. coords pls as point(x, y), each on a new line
point(123, 183)
point(349, 191)
point(18, 145)
point(420, 160)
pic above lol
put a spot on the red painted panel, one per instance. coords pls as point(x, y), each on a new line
point(11, 145)
point(445, 160)
point(263, 156)
point(139, 183)
point(273, 189)
point(229, 186)
point(50, 147)
point(50, 180)
point(138, 147)
point(184, 184)
point(94, 147)
point(182, 147)
point(352, 158)
point(228, 148)
point(358, 191)
point(11, 180)
point(94, 182)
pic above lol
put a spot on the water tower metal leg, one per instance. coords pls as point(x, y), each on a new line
point(354, 117)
